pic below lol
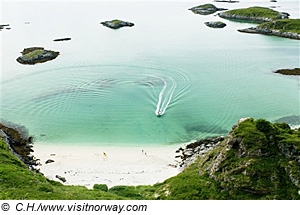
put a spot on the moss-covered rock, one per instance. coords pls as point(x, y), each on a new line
point(35, 55)
point(205, 9)
point(116, 24)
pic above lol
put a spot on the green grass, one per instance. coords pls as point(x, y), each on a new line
point(258, 12)
point(33, 54)
point(205, 6)
point(17, 182)
point(284, 25)
point(116, 21)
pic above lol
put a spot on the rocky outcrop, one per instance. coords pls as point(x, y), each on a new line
point(19, 143)
point(206, 9)
point(295, 71)
point(116, 24)
point(62, 39)
point(277, 33)
point(195, 150)
point(35, 55)
point(257, 158)
point(215, 24)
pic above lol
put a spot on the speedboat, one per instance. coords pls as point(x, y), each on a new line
point(158, 114)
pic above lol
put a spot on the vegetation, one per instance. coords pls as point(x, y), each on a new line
point(258, 160)
point(284, 25)
point(17, 182)
point(255, 12)
point(205, 6)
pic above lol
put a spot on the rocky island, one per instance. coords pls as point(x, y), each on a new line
point(288, 28)
point(206, 9)
point(295, 71)
point(116, 24)
point(6, 26)
point(35, 55)
point(254, 14)
point(215, 24)
point(62, 39)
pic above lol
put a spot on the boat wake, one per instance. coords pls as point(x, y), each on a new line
point(165, 95)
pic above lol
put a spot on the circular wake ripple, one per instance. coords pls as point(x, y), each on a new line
point(82, 89)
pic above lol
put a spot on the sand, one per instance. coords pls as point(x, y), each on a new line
point(89, 165)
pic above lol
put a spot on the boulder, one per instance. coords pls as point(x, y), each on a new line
point(49, 161)
point(63, 179)
point(215, 24)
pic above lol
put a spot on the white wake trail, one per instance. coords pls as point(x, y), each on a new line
point(165, 96)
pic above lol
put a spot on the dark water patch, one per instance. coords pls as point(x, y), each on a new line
point(150, 82)
point(204, 128)
point(291, 120)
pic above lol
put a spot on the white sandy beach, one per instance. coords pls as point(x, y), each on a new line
point(87, 166)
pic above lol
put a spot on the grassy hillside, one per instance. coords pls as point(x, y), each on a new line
point(284, 25)
point(258, 160)
point(17, 182)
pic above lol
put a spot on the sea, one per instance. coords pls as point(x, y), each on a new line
point(106, 86)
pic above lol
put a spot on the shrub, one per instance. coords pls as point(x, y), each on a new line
point(102, 187)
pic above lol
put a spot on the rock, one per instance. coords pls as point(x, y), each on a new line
point(49, 161)
point(295, 71)
point(62, 39)
point(35, 55)
point(215, 24)
point(278, 33)
point(115, 24)
point(197, 149)
point(227, 1)
point(18, 142)
point(63, 179)
point(4, 27)
point(205, 9)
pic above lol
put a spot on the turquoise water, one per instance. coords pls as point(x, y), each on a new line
point(106, 85)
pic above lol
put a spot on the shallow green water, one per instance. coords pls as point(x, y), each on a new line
point(105, 86)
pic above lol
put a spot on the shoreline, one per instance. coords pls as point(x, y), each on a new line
point(88, 165)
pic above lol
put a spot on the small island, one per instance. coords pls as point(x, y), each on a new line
point(288, 28)
point(215, 24)
point(295, 71)
point(227, 1)
point(116, 24)
point(205, 9)
point(6, 26)
point(35, 55)
point(62, 39)
point(254, 14)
